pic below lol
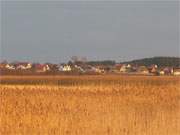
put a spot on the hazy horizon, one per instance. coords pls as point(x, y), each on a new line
point(120, 31)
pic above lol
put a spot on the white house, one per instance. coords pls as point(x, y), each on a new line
point(97, 69)
point(177, 72)
point(24, 66)
point(65, 68)
point(162, 72)
point(42, 68)
point(123, 68)
point(10, 67)
point(29, 65)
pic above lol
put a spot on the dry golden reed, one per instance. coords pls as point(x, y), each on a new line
point(89, 105)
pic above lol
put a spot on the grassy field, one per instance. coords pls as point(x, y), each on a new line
point(89, 105)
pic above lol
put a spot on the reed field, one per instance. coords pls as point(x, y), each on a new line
point(89, 105)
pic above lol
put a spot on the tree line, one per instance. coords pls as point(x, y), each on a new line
point(160, 61)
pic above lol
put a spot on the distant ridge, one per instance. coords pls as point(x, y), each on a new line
point(160, 61)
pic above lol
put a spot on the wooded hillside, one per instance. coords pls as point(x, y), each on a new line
point(160, 61)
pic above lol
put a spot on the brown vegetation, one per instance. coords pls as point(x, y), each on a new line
point(89, 105)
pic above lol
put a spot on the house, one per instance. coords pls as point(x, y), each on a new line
point(60, 67)
point(176, 71)
point(10, 67)
point(116, 68)
point(108, 68)
point(125, 68)
point(168, 71)
point(89, 68)
point(134, 68)
point(64, 68)
point(23, 66)
point(2, 66)
point(41, 68)
point(143, 70)
point(161, 72)
point(67, 68)
point(98, 69)
point(153, 69)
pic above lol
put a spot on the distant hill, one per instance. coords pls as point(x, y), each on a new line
point(160, 61)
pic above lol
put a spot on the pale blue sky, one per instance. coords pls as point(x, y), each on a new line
point(55, 31)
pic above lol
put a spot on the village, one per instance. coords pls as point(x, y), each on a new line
point(84, 68)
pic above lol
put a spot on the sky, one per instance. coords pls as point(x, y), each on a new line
point(39, 31)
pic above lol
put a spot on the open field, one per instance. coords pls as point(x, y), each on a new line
point(89, 105)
